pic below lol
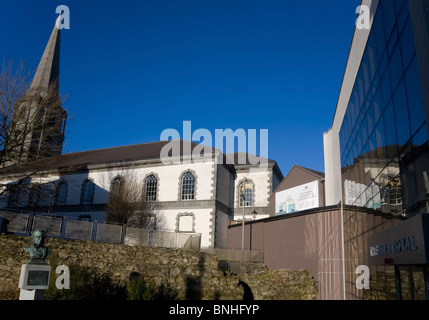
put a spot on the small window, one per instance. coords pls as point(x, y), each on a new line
point(188, 186)
point(150, 188)
point(61, 194)
point(87, 196)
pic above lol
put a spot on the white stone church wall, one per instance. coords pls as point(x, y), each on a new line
point(261, 181)
point(195, 220)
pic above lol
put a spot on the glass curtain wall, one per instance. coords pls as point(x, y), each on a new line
point(383, 138)
point(384, 149)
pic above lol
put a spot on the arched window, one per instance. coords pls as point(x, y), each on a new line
point(117, 185)
point(188, 186)
point(87, 195)
point(245, 190)
point(61, 194)
point(150, 188)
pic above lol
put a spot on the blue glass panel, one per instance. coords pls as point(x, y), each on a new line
point(378, 108)
point(375, 82)
point(373, 154)
point(408, 47)
point(386, 91)
point(358, 140)
point(382, 64)
point(377, 28)
point(421, 137)
point(364, 131)
point(360, 89)
point(398, 4)
point(396, 71)
point(392, 42)
point(390, 131)
point(372, 56)
point(402, 121)
point(381, 143)
point(370, 118)
point(366, 75)
point(403, 15)
point(414, 95)
point(388, 15)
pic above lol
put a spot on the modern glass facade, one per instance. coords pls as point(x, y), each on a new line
point(379, 138)
point(383, 137)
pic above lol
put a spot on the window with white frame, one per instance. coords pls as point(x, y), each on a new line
point(188, 186)
point(150, 188)
point(245, 190)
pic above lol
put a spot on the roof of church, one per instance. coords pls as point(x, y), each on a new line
point(80, 160)
point(49, 67)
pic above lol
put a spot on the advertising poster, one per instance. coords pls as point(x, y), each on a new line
point(303, 197)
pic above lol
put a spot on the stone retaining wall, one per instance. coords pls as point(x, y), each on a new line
point(186, 274)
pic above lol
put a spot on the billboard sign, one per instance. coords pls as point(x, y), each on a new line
point(302, 197)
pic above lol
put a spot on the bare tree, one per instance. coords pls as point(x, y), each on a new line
point(31, 128)
point(127, 204)
point(31, 122)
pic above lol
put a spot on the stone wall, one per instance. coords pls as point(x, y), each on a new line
point(186, 274)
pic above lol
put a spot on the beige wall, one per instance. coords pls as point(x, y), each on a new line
point(358, 226)
point(309, 241)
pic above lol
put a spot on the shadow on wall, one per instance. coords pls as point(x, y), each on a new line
point(247, 291)
point(194, 283)
point(67, 193)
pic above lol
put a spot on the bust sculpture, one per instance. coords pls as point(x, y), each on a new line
point(37, 250)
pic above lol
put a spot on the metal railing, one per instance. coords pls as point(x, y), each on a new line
point(162, 238)
point(23, 223)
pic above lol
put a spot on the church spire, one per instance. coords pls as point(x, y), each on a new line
point(38, 125)
point(48, 71)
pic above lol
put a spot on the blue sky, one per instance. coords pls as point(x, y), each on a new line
point(131, 69)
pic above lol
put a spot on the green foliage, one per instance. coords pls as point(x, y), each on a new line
point(139, 289)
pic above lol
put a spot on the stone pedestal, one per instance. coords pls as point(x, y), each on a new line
point(33, 281)
point(31, 294)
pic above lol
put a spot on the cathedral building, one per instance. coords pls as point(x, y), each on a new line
point(188, 196)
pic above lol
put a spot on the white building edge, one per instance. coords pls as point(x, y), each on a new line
point(331, 141)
